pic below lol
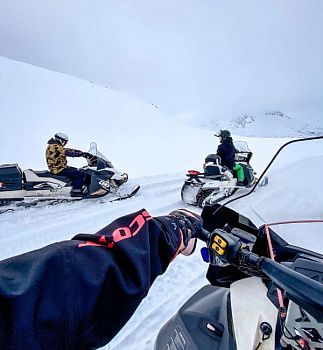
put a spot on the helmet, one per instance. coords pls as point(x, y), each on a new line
point(223, 134)
point(61, 138)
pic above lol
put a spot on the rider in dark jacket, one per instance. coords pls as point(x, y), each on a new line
point(78, 294)
point(227, 151)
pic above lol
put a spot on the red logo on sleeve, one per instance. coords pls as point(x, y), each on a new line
point(121, 233)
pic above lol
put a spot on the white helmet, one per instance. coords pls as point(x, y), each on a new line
point(61, 138)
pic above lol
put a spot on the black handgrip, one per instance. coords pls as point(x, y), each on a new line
point(304, 291)
point(204, 235)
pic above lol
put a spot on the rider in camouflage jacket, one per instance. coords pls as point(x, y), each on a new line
point(56, 156)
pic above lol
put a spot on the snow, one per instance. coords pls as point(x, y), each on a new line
point(155, 150)
point(267, 123)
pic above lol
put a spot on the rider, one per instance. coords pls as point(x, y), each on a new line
point(57, 163)
point(226, 152)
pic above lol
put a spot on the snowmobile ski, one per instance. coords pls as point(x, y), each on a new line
point(43, 202)
point(126, 196)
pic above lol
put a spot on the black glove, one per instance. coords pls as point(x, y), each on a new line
point(191, 225)
point(90, 157)
point(87, 155)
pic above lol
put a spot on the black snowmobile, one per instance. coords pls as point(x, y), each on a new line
point(217, 182)
point(29, 187)
point(264, 294)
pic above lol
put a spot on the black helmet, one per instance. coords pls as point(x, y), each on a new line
point(61, 138)
point(223, 134)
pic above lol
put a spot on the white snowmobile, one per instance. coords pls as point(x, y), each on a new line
point(29, 187)
point(217, 182)
point(264, 294)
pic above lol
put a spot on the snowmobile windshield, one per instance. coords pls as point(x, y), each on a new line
point(100, 161)
point(241, 146)
point(242, 152)
point(294, 192)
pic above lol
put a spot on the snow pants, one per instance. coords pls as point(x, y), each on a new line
point(240, 173)
point(75, 175)
point(78, 294)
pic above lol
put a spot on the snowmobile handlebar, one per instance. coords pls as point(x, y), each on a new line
point(228, 249)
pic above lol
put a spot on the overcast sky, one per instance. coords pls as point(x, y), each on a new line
point(179, 55)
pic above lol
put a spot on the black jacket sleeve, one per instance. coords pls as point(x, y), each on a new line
point(69, 152)
point(78, 294)
point(219, 151)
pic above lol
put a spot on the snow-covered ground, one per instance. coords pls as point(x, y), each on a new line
point(156, 151)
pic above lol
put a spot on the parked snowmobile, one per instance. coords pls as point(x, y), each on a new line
point(264, 294)
point(217, 182)
point(31, 186)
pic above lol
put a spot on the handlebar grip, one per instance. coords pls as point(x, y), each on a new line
point(204, 235)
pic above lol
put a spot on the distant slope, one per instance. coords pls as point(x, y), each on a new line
point(272, 123)
point(35, 103)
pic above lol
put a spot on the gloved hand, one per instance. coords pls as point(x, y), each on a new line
point(90, 157)
point(87, 155)
point(191, 226)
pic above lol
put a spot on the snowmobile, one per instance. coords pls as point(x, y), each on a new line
point(217, 182)
point(264, 294)
point(29, 187)
point(253, 301)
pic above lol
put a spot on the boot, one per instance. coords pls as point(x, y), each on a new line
point(76, 193)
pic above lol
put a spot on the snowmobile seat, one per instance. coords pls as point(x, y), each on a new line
point(213, 158)
point(46, 173)
point(212, 167)
point(212, 170)
point(10, 177)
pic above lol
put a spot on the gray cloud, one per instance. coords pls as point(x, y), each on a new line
point(180, 55)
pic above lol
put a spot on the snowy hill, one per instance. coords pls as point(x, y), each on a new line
point(274, 123)
point(135, 135)
point(155, 150)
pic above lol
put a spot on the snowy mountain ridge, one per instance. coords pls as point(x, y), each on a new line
point(272, 123)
